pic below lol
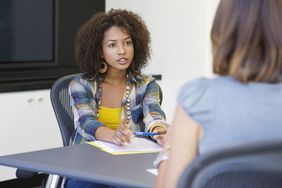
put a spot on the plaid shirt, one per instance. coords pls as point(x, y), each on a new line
point(145, 106)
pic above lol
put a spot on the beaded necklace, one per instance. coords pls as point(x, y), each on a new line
point(127, 102)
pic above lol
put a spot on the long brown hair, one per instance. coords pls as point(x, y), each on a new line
point(247, 40)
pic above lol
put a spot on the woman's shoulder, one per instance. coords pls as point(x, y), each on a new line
point(80, 83)
point(203, 84)
point(193, 89)
point(201, 91)
point(82, 80)
point(143, 79)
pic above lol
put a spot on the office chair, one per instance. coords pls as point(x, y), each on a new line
point(60, 101)
point(251, 166)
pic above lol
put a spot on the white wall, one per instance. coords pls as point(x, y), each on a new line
point(180, 40)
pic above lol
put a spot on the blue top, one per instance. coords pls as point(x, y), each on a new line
point(231, 113)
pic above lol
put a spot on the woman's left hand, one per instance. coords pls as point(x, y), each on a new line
point(161, 137)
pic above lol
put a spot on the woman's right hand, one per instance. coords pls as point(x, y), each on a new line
point(122, 135)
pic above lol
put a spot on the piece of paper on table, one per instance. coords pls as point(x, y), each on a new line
point(137, 145)
point(153, 171)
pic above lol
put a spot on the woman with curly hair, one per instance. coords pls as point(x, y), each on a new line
point(112, 98)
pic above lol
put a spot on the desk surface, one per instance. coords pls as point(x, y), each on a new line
point(86, 162)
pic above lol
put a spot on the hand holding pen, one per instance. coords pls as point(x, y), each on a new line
point(157, 135)
point(160, 137)
point(122, 134)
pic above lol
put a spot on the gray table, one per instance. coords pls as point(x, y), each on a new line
point(89, 163)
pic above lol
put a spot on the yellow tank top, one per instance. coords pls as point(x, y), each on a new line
point(109, 116)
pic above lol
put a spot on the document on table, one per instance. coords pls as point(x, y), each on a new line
point(153, 171)
point(137, 145)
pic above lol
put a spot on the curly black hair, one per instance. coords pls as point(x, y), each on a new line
point(88, 43)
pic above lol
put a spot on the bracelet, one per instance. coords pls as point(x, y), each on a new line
point(162, 156)
point(152, 129)
point(156, 125)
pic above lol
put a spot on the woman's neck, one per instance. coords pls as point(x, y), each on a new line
point(115, 78)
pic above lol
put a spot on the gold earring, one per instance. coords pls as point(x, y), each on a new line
point(103, 67)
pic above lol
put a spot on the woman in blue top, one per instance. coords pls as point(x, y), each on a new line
point(242, 105)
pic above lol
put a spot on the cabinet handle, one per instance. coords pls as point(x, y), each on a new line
point(30, 100)
point(40, 99)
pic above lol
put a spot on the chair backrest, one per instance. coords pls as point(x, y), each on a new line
point(61, 105)
point(256, 166)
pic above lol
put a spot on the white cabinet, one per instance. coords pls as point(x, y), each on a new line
point(27, 123)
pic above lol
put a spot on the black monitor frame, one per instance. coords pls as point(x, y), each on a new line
point(22, 8)
point(69, 16)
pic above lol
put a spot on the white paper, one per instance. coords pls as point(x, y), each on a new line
point(153, 171)
point(137, 145)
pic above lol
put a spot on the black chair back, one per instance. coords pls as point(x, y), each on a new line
point(61, 105)
point(251, 166)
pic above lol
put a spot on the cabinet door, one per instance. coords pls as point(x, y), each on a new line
point(15, 126)
point(27, 124)
point(45, 126)
point(16, 122)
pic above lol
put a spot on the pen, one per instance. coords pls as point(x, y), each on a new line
point(147, 133)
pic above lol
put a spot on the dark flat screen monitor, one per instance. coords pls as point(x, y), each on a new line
point(37, 40)
point(27, 33)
